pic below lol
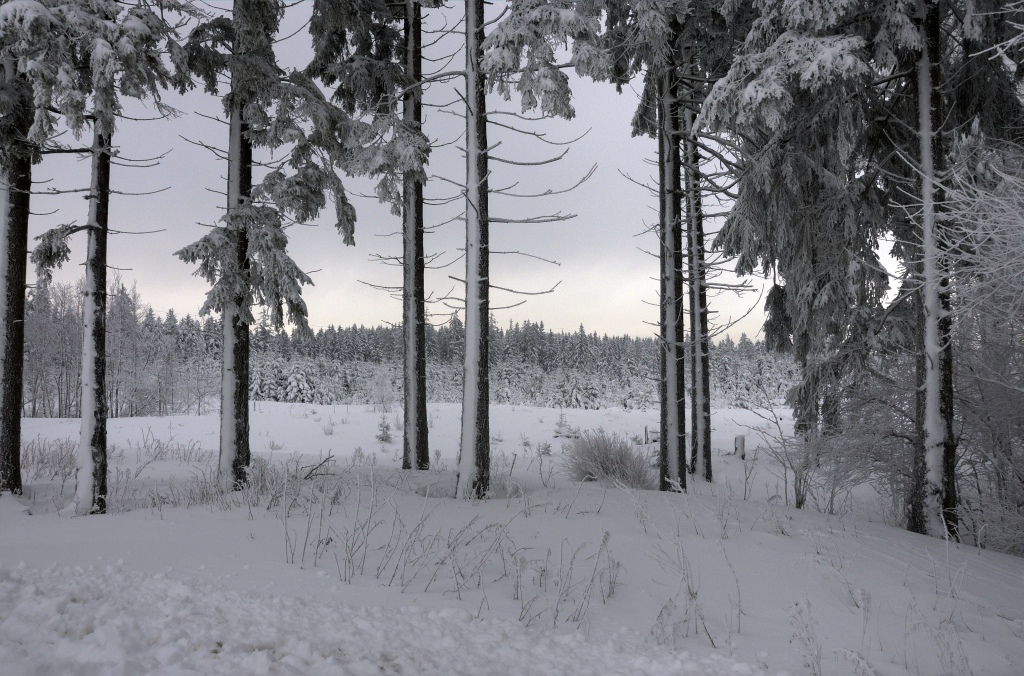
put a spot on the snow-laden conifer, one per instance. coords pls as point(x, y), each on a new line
point(373, 52)
point(665, 41)
point(521, 49)
point(844, 137)
point(245, 260)
point(84, 57)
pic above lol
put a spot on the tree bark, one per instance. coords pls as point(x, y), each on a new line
point(234, 432)
point(916, 521)
point(474, 450)
point(700, 374)
point(940, 445)
point(91, 486)
point(673, 438)
point(15, 191)
point(416, 452)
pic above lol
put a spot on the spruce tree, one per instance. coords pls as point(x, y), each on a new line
point(518, 55)
point(245, 260)
point(372, 53)
point(826, 172)
point(94, 53)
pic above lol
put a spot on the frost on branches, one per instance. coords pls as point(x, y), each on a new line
point(245, 260)
point(78, 59)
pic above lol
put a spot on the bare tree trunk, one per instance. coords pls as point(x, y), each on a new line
point(673, 437)
point(415, 450)
point(15, 190)
point(474, 450)
point(940, 446)
point(664, 258)
point(916, 521)
point(700, 375)
point(91, 486)
point(234, 398)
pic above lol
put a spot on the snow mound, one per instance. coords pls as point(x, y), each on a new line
point(109, 620)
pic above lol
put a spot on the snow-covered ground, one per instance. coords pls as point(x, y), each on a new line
point(364, 568)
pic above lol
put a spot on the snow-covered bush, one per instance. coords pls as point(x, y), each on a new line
point(598, 455)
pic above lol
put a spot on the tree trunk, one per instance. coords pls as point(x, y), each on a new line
point(15, 189)
point(474, 450)
point(664, 466)
point(91, 487)
point(673, 437)
point(700, 375)
point(234, 397)
point(940, 498)
point(416, 453)
point(940, 494)
point(916, 521)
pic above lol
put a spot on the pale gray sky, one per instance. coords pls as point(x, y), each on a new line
point(606, 280)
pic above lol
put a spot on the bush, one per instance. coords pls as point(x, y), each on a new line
point(599, 456)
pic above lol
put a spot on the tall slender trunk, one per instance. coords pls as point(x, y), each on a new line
point(15, 190)
point(700, 374)
point(664, 464)
point(415, 450)
point(234, 396)
point(940, 497)
point(91, 487)
point(474, 450)
point(673, 438)
point(916, 521)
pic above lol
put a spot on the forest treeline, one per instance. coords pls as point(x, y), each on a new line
point(169, 365)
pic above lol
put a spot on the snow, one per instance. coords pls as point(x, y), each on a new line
point(22, 11)
point(105, 619)
point(157, 588)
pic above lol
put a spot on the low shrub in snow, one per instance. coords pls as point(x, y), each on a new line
point(600, 456)
point(48, 460)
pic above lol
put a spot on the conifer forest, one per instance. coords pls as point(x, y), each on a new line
point(457, 488)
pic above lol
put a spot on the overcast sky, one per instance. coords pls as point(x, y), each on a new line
point(606, 279)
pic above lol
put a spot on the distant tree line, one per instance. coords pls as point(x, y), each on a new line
point(169, 365)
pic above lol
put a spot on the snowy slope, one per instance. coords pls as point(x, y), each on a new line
point(367, 568)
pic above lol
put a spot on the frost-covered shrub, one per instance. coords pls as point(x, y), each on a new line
point(48, 459)
point(598, 455)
